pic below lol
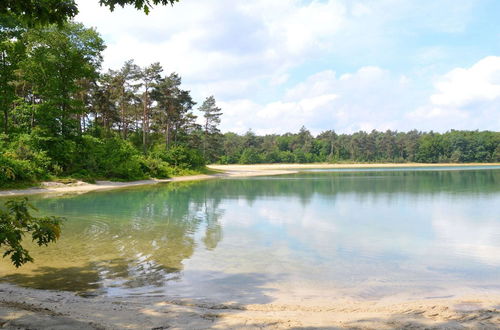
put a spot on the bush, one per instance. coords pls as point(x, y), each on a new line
point(21, 162)
point(111, 158)
point(62, 153)
point(250, 156)
point(16, 171)
point(272, 156)
point(121, 160)
point(156, 168)
point(287, 157)
point(25, 147)
point(179, 156)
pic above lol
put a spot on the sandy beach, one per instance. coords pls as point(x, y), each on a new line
point(83, 187)
point(22, 308)
point(26, 308)
point(224, 172)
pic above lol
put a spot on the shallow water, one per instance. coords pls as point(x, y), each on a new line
point(318, 234)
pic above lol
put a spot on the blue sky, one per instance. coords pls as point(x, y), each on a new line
point(275, 65)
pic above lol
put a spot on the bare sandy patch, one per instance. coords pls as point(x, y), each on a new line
point(83, 187)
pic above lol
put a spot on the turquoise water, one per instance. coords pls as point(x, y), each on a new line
point(372, 233)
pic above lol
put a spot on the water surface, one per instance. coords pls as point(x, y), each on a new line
point(318, 234)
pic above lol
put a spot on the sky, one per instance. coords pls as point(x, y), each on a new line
point(345, 65)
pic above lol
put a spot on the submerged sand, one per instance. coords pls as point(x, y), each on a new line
point(23, 308)
point(223, 171)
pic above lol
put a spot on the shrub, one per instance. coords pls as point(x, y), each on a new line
point(25, 147)
point(14, 170)
point(286, 157)
point(111, 158)
point(22, 162)
point(179, 156)
point(250, 156)
point(156, 168)
point(60, 151)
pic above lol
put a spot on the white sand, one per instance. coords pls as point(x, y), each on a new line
point(35, 309)
point(274, 167)
point(83, 187)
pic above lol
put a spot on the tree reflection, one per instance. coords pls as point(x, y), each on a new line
point(133, 238)
point(364, 184)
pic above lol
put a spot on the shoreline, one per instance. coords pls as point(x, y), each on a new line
point(235, 170)
point(23, 308)
point(83, 187)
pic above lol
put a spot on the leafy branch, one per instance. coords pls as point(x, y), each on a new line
point(16, 222)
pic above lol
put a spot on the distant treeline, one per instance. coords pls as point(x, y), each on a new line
point(390, 146)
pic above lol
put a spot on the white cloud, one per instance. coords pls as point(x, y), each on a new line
point(462, 87)
point(464, 98)
point(366, 99)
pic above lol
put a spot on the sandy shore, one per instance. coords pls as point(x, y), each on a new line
point(276, 167)
point(35, 309)
point(83, 187)
point(225, 171)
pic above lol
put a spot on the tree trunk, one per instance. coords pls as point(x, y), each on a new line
point(145, 122)
point(122, 119)
point(167, 137)
point(5, 120)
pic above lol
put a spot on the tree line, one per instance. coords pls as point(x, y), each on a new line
point(389, 146)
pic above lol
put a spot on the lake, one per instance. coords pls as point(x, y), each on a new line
point(317, 235)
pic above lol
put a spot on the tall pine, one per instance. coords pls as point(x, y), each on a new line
point(211, 132)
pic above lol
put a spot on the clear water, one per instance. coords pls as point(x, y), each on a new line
point(318, 234)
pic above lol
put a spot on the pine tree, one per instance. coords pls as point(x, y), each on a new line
point(211, 132)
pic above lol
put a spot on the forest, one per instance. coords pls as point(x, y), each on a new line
point(361, 147)
point(62, 116)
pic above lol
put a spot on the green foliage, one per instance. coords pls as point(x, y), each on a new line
point(286, 157)
point(430, 148)
point(211, 134)
point(55, 63)
point(16, 222)
point(21, 162)
point(390, 146)
point(61, 117)
point(157, 168)
point(36, 12)
point(138, 4)
point(250, 156)
point(109, 158)
point(42, 12)
point(180, 157)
